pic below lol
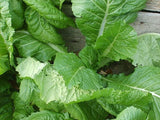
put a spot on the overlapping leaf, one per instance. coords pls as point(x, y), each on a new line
point(143, 80)
point(21, 109)
point(148, 50)
point(40, 28)
point(75, 73)
point(6, 32)
point(50, 13)
point(30, 68)
point(94, 16)
point(118, 42)
point(89, 57)
point(17, 13)
point(90, 110)
point(28, 46)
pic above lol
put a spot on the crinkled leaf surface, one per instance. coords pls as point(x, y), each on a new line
point(132, 113)
point(75, 73)
point(119, 41)
point(94, 16)
point(28, 46)
point(148, 50)
point(40, 28)
point(52, 88)
point(30, 67)
point(50, 13)
point(52, 85)
point(17, 13)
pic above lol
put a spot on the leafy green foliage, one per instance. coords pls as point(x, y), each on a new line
point(110, 43)
point(40, 28)
point(72, 69)
point(148, 45)
point(6, 107)
point(89, 57)
point(43, 115)
point(50, 13)
point(39, 80)
point(27, 46)
point(132, 113)
point(6, 33)
point(93, 17)
point(21, 108)
point(87, 111)
point(17, 13)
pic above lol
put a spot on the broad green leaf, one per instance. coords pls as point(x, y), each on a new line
point(28, 46)
point(30, 67)
point(75, 73)
point(148, 50)
point(21, 108)
point(52, 88)
point(50, 13)
point(17, 13)
point(36, 100)
point(143, 80)
point(47, 115)
point(94, 16)
point(132, 113)
point(124, 98)
point(90, 110)
point(27, 87)
point(41, 29)
point(119, 41)
point(30, 93)
point(6, 32)
point(6, 107)
point(89, 56)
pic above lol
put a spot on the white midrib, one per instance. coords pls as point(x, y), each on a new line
point(76, 72)
point(141, 89)
point(101, 30)
point(55, 48)
point(108, 49)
